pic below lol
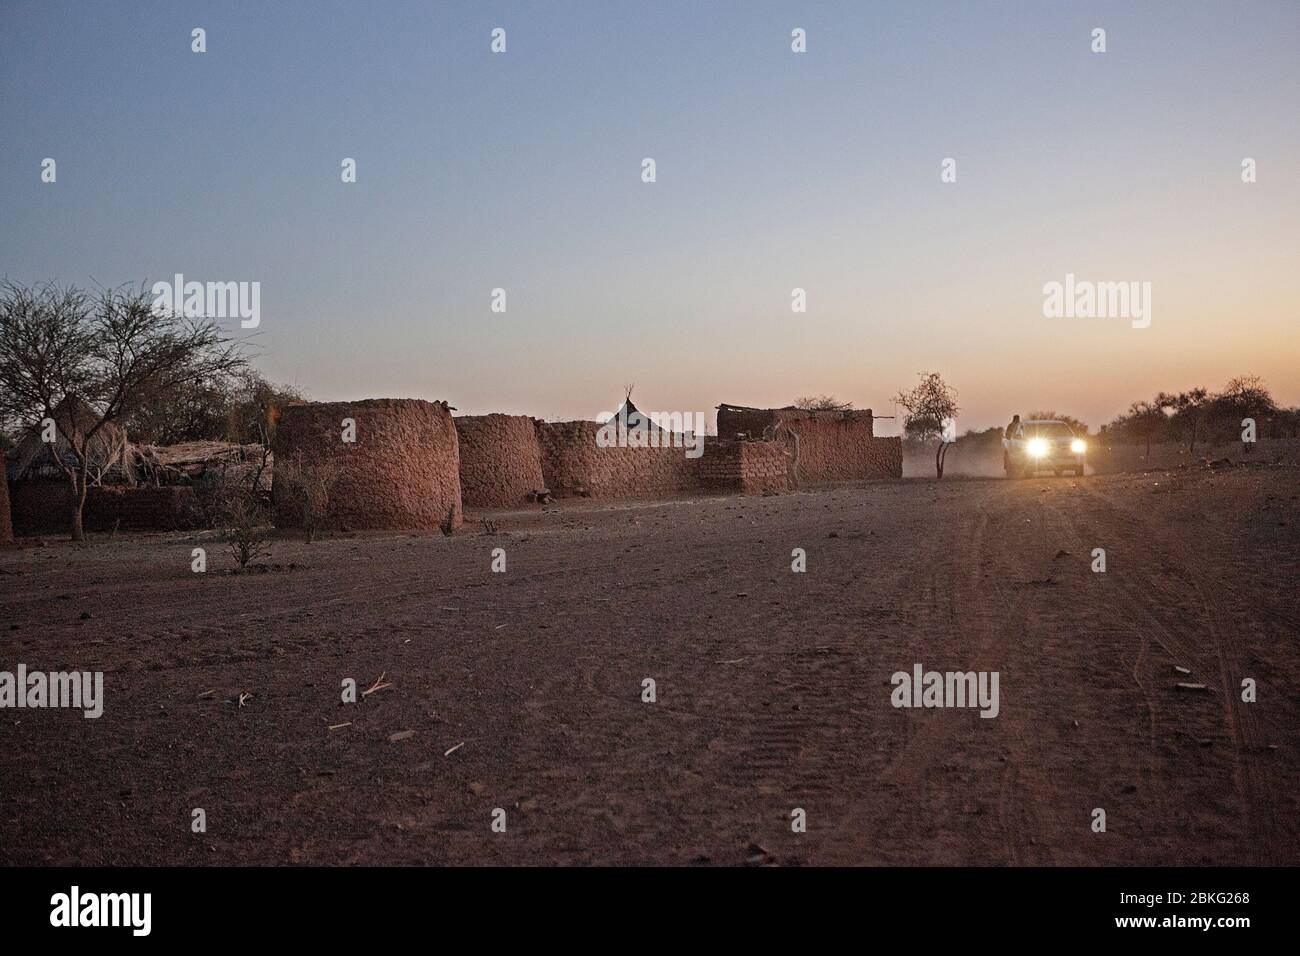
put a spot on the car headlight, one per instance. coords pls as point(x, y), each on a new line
point(1078, 446)
point(1037, 447)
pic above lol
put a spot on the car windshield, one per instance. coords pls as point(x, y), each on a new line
point(1048, 430)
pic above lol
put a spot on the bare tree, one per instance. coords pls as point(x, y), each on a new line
point(821, 403)
point(84, 361)
point(931, 407)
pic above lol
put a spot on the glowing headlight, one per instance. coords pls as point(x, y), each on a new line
point(1037, 447)
point(1077, 446)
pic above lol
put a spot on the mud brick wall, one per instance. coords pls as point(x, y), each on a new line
point(44, 507)
point(573, 463)
point(764, 467)
point(147, 508)
point(833, 446)
point(401, 473)
point(885, 458)
point(748, 467)
point(500, 460)
point(6, 524)
point(749, 422)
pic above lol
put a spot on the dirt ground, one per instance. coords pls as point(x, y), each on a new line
point(522, 689)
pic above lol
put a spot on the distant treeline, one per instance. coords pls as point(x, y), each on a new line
point(1196, 416)
point(1201, 416)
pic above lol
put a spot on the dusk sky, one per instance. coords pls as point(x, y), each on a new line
point(775, 170)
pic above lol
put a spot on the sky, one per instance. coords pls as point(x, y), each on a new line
point(774, 170)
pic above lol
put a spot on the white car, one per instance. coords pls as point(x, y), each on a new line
point(1043, 445)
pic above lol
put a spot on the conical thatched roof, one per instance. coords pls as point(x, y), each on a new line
point(631, 417)
point(34, 458)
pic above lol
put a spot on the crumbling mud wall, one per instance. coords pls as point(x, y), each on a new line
point(44, 507)
point(500, 460)
point(735, 421)
point(401, 473)
point(6, 523)
point(574, 464)
point(832, 446)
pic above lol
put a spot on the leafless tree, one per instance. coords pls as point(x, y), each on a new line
point(931, 406)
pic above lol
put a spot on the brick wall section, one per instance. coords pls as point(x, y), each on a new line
point(764, 467)
point(833, 446)
point(500, 460)
point(43, 507)
point(6, 524)
point(750, 468)
point(401, 473)
point(572, 462)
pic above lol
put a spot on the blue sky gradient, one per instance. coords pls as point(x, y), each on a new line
point(775, 170)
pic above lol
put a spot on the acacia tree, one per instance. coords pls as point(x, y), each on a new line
point(931, 407)
point(1189, 411)
point(1142, 422)
point(99, 357)
point(1245, 396)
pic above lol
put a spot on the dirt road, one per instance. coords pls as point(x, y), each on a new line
point(524, 689)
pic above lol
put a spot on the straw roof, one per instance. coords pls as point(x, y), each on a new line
point(168, 464)
point(107, 450)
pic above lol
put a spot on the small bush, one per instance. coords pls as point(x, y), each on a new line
point(249, 530)
point(303, 490)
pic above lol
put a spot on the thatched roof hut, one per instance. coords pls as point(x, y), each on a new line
point(630, 418)
point(34, 459)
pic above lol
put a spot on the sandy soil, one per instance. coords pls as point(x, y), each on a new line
point(773, 687)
